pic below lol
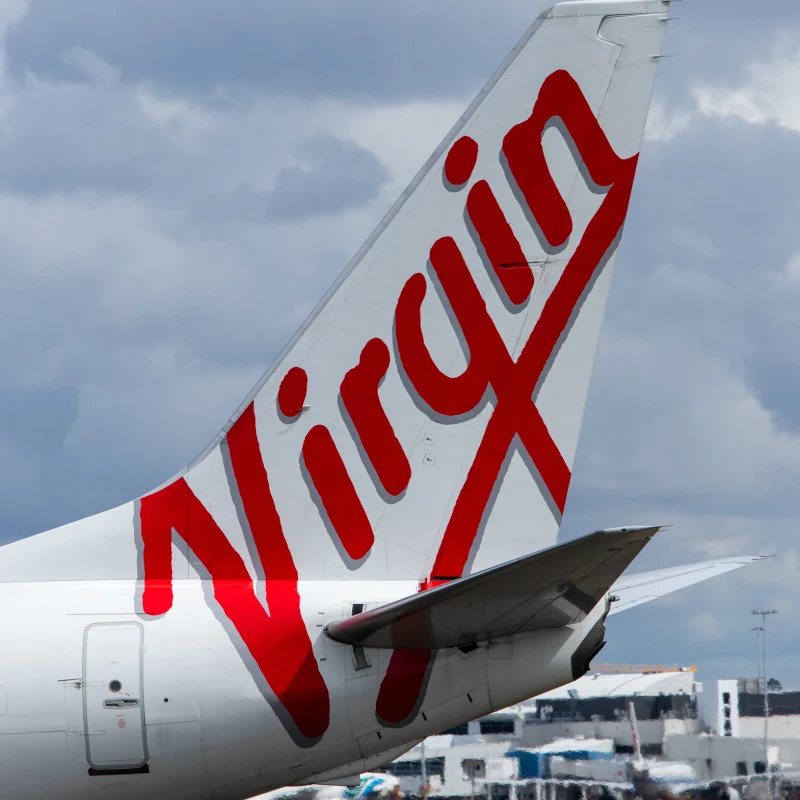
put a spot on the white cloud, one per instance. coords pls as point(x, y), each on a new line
point(401, 135)
point(174, 116)
point(705, 625)
point(692, 240)
point(90, 65)
point(769, 93)
point(792, 268)
point(703, 436)
point(12, 12)
point(664, 123)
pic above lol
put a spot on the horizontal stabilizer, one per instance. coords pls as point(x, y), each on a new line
point(633, 590)
point(548, 589)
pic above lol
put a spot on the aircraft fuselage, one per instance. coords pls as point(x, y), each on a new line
point(97, 701)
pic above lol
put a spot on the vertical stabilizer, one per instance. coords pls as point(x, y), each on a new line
point(423, 422)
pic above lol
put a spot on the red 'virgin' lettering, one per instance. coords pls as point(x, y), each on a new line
point(445, 394)
point(460, 161)
point(292, 393)
point(560, 96)
point(513, 382)
point(514, 413)
point(294, 675)
point(337, 493)
point(498, 240)
point(360, 396)
point(277, 641)
point(406, 677)
point(489, 365)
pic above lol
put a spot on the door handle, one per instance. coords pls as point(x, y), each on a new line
point(121, 702)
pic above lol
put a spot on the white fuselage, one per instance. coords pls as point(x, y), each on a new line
point(96, 701)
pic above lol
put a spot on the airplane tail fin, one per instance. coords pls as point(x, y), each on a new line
point(423, 422)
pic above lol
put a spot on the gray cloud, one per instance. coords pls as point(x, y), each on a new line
point(138, 275)
point(355, 48)
point(38, 416)
point(692, 417)
point(332, 176)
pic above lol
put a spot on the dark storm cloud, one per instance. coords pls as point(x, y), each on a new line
point(38, 416)
point(696, 371)
point(355, 48)
point(70, 135)
point(715, 41)
point(333, 176)
point(694, 412)
point(309, 48)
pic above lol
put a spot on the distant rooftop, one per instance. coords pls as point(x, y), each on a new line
point(627, 669)
point(579, 744)
point(624, 685)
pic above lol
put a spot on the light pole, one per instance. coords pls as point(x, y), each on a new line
point(764, 613)
point(423, 772)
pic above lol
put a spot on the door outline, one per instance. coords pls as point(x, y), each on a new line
point(136, 766)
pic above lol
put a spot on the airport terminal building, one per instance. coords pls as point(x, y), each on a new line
point(707, 731)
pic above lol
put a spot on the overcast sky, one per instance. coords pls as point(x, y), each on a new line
point(181, 181)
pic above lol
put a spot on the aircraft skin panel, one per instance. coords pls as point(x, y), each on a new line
point(210, 724)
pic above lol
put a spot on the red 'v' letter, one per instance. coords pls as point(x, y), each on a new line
point(277, 641)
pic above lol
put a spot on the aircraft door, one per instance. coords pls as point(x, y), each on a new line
point(113, 697)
